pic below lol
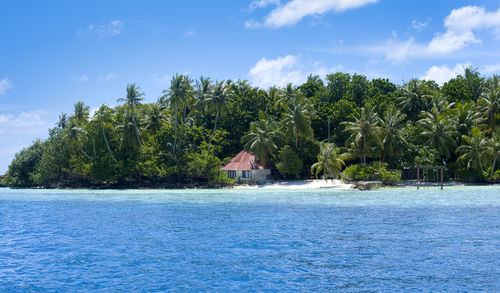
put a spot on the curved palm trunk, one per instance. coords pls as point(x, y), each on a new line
point(107, 144)
point(176, 127)
point(493, 166)
point(83, 152)
point(137, 131)
point(215, 127)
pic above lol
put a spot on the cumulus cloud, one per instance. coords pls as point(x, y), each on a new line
point(5, 84)
point(460, 24)
point(293, 11)
point(442, 74)
point(284, 70)
point(112, 28)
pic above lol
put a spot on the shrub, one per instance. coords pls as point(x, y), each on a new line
point(290, 165)
point(373, 171)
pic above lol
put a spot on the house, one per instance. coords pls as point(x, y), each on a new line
point(244, 169)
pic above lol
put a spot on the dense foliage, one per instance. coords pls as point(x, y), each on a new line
point(313, 129)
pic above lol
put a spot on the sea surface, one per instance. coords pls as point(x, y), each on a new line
point(250, 240)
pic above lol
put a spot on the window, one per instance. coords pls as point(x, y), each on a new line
point(247, 174)
point(231, 174)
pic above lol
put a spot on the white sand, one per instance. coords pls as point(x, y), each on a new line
point(299, 184)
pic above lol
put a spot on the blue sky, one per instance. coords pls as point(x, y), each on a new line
point(54, 53)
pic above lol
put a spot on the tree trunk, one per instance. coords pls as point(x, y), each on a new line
point(215, 126)
point(83, 152)
point(136, 131)
point(107, 144)
point(493, 166)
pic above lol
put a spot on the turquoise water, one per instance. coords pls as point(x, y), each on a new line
point(258, 240)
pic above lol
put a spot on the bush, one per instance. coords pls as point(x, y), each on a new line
point(22, 170)
point(496, 176)
point(373, 171)
point(290, 165)
point(206, 167)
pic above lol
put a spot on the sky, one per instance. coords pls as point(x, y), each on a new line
point(55, 53)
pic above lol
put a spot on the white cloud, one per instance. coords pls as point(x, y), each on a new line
point(262, 3)
point(492, 68)
point(283, 70)
point(110, 29)
point(460, 24)
point(110, 76)
point(83, 78)
point(24, 122)
point(442, 74)
point(420, 26)
point(5, 84)
point(294, 10)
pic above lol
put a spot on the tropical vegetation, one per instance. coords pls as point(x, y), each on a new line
point(343, 126)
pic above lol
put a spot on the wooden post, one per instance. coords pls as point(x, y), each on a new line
point(418, 177)
point(442, 171)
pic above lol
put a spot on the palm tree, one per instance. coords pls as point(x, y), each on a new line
point(414, 96)
point(220, 98)
point(466, 117)
point(155, 117)
point(329, 161)
point(490, 99)
point(177, 98)
point(474, 150)
point(63, 121)
point(203, 89)
point(76, 130)
point(493, 145)
point(391, 125)
point(76, 135)
point(104, 117)
point(81, 113)
point(438, 132)
point(263, 140)
point(365, 132)
point(297, 115)
point(132, 100)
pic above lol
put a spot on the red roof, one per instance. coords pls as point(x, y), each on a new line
point(243, 161)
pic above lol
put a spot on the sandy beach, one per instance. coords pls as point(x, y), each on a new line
point(299, 184)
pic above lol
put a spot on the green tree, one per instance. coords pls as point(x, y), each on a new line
point(413, 97)
point(263, 140)
point(392, 127)
point(220, 99)
point(364, 133)
point(473, 152)
point(104, 117)
point(132, 100)
point(22, 169)
point(493, 146)
point(177, 99)
point(289, 165)
point(329, 161)
point(490, 101)
point(296, 118)
point(438, 132)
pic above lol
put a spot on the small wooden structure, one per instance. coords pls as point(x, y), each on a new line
point(441, 168)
